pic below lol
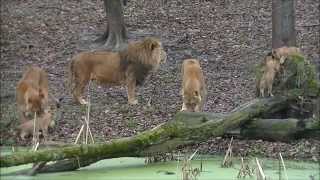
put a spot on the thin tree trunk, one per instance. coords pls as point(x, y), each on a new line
point(283, 23)
point(115, 37)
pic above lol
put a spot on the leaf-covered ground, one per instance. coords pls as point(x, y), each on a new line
point(229, 37)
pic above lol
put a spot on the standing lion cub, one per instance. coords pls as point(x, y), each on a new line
point(193, 86)
point(130, 67)
point(270, 69)
point(32, 93)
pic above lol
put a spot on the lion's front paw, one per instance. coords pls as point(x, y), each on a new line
point(183, 109)
point(82, 101)
point(133, 102)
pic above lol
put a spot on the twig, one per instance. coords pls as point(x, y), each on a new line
point(92, 140)
point(36, 146)
point(244, 170)
point(178, 165)
point(227, 158)
point(190, 158)
point(79, 134)
point(36, 168)
point(89, 132)
point(88, 113)
point(35, 137)
point(86, 122)
point(280, 176)
point(284, 167)
point(260, 174)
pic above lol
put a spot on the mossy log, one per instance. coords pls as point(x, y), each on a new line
point(266, 129)
point(280, 129)
point(184, 129)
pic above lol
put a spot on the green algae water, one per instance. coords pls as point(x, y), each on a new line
point(134, 168)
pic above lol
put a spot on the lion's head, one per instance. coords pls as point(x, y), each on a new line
point(33, 97)
point(283, 52)
point(142, 57)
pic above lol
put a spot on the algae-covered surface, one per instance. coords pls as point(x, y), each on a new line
point(134, 168)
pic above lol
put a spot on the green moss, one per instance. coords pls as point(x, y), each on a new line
point(131, 123)
point(298, 73)
point(284, 126)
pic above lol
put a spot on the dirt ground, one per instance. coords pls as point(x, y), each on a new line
point(229, 37)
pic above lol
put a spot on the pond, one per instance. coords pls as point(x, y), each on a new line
point(128, 168)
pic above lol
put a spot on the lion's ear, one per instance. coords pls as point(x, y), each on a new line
point(23, 87)
point(154, 45)
point(274, 53)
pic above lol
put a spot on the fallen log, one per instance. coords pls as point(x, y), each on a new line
point(280, 129)
point(186, 128)
point(266, 129)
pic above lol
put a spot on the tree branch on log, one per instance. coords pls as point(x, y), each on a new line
point(59, 166)
point(280, 129)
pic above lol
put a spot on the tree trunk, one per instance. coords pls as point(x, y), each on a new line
point(283, 23)
point(186, 128)
point(115, 37)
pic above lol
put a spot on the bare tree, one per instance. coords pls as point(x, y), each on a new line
point(283, 23)
point(115, 36)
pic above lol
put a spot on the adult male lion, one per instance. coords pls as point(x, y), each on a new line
point(32, 93)
point(193, 86)
point(130, 67)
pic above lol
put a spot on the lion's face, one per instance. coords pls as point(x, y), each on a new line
point(191, 100)
point(282, 53)
point(272, 63)
point(279, 54)
point(32, 92)
point(34, 100)
point(157, 51)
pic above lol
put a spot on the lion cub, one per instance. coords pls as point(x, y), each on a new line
point(283, 52)
point(32, 93)
point(271, 67)
point(193, 86)
point(42, 122)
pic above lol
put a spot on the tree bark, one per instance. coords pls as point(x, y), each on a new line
point(283, 23)
point(186, 128)
point(280, 129)
point(115, 36)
